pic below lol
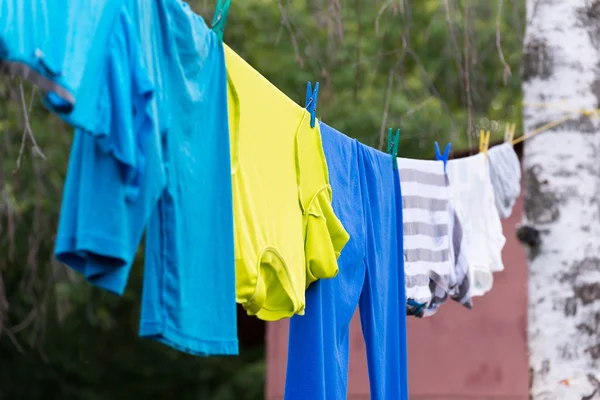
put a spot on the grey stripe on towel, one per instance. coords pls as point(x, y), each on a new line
point(424, 178)
point(426, 255)
point(423, 228)
point(425, 203)
point(411, 281)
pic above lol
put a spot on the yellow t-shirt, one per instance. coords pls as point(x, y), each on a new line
point(286, 233)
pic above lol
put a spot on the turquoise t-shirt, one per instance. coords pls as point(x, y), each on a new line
point(182, 195)
point(104, 211)
point(82, 53)
point(189, 281)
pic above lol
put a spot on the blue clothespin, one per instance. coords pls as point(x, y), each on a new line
point(311, 102)
point(419, 306)
point(393, 146)
point(220, 17)
point(442, 157)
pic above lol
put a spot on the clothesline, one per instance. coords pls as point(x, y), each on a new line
point(550, 125)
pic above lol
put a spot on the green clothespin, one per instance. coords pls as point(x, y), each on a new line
point(393, 146)
point(220, 17)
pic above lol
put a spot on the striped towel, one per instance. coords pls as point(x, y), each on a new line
point(433, 265)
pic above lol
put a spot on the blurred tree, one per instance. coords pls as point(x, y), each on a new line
point(562, 188)
point(432, 68)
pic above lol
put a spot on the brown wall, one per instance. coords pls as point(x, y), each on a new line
point(455, 355)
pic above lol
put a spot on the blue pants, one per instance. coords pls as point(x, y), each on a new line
point(367, 199)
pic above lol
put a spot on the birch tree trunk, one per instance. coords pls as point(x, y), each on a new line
point(561, 66)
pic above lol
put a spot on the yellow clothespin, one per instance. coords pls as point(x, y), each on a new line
point(484, 141)
point(509, 133)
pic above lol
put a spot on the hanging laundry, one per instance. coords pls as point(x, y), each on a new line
point(473, 198)
point(56, 44)
point(462, 292)
point(366, 197)
point(189, 276)
point(104, 213)
point(189, 285)
point(286, 233)
point(73, 50)
point(505, 174)
point(433, 265)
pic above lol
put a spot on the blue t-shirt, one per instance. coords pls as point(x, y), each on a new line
point(50, 42)
point(84, 55)
point(189, 281)
point(105, 207)
point(182, 195)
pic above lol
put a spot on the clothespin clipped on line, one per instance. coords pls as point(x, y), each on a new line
point(442, 157)
point(392, 147)
point(484, 141)
point(311, 102)
point(509, 133)
point(220, 17)
point(418, 306)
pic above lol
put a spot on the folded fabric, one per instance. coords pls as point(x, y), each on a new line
point(286, 232)
point(505, 174)
point(473, 198)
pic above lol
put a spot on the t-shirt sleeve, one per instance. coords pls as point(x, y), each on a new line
point(92, 235)
point(114, 101)
point(100, 228)
point(125, 104)
point(325, 236)
point(116, 171)
point(97, 235)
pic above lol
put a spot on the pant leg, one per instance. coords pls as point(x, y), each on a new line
point(401, 290)
point(382, 302)
point(317, 366)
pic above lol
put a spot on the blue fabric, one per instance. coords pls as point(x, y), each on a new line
point(189, 281)
point(104, 211)
point(403, 377)
point(367, 199)
point(85, 56)
point(183, 193)
point(57, 44)
point(100, 230)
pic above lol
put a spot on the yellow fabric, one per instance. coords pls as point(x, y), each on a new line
point(286, 233)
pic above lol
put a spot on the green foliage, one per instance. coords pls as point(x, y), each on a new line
point(381, 64)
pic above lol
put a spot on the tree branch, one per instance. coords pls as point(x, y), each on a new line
point(466, 76)
point(507, 71)
point(27, 131)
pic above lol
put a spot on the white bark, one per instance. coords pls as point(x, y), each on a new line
point(561, 66)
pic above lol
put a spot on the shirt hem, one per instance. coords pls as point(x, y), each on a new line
point(100, 260)
point(276, 315)
point(255, 304)
point(185, 343)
